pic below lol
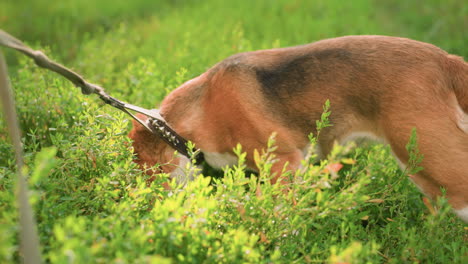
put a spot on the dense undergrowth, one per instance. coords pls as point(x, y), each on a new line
point(93, 205)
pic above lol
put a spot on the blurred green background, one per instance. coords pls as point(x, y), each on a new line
point(194, 35)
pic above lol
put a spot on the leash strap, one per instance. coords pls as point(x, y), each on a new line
point(156, 124)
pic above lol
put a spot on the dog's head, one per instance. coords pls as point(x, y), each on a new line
point(151, 150)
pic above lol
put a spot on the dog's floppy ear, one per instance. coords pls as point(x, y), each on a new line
point(150, 149)
point(145, 143)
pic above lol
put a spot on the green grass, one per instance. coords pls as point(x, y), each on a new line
point(94, 206)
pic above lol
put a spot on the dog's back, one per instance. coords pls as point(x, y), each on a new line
point(381, 86)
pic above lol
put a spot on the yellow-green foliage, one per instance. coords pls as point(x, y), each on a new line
point(94, 206)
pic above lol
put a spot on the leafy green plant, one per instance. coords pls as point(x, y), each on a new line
point(93, 204)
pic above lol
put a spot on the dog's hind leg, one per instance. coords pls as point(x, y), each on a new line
point(444, 148)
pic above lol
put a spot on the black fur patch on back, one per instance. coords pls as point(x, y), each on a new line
point(368, 106)
point(292, 75)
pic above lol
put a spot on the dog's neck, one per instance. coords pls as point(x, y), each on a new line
point(177, 110)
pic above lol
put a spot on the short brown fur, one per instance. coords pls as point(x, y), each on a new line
point(380, 85)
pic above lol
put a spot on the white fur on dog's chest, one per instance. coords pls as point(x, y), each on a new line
point(220, 160)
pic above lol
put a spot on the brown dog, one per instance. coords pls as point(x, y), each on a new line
point(377, 85)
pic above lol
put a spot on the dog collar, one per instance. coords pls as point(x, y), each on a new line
point(158, 126)
point(177, 142)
